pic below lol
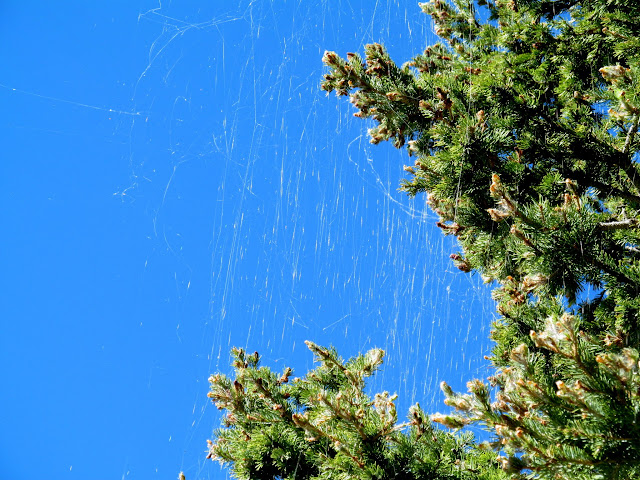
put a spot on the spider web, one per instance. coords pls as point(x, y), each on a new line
point(309, 238)
point(265, 217)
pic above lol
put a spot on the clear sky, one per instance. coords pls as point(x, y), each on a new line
point(174, 183)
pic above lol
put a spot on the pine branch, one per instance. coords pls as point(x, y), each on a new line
point(630, 134)
point(620, 225)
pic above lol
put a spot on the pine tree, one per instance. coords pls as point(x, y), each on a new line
point(325, 426)
point(522, 122)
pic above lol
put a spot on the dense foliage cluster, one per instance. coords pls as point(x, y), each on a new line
point(522, 122)
point(325, 426)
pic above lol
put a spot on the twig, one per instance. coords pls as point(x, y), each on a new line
point(629, 223)
point(630, 134)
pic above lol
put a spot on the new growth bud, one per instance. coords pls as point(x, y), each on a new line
point(446, 389)
point(530, 282)
point(496, 187)
point(374, 358)
point(520, 354)
point(512, 464)
point(449, 421)
point(614, 73)
point(331, 59)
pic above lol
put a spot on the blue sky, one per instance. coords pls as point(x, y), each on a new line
point(174, 184)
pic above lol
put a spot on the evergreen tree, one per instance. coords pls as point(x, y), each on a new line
point(523, 129)
point(325, 426)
